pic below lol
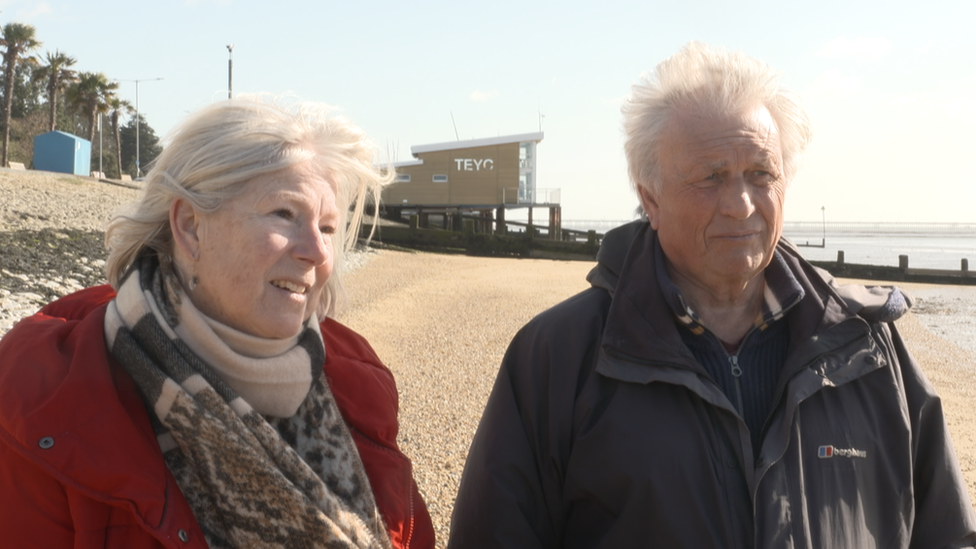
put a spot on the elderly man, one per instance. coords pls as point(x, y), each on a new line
point(712, 389)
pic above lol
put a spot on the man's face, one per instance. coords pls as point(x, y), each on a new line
point(719, 207)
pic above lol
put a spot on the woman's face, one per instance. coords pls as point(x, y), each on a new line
point(265, 255)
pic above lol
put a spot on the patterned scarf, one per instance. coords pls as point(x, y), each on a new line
point(251, 480)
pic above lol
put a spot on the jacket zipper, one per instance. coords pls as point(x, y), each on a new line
point(409, 536)
point(733, 362)
point(737, 370)
point(736, 374)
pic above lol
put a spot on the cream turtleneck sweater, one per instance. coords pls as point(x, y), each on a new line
point(272, 375)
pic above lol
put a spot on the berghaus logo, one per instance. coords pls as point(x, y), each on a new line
point(827, 452)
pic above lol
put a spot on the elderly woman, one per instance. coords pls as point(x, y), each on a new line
point(210, 400)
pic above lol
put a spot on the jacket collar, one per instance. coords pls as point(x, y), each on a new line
point(640, 333)
point(640, 325)
point(781, 292)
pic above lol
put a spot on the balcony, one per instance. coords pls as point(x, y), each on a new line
point(541, 197)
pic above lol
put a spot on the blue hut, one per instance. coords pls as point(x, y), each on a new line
point(62, 152)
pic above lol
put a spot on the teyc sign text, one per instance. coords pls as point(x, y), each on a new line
point(474, 164)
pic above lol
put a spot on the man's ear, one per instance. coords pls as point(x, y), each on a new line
point(184, 223)
point(650, 205)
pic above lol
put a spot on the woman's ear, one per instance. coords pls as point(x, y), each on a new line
point(184, 223)
point(650, 205)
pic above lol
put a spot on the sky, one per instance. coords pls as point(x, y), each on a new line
point(889, 85)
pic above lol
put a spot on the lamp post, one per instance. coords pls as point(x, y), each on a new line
point(823, 215)
point(230, 71)
point(100, 172)
point(138, 169)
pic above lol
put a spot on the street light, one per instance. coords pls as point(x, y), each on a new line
point(230, 71)
point(100, 172)
point(138, 169)
point(823, 214)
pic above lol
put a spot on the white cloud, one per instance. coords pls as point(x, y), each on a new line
point(833, 83)
point(41, 8)
point(859, 48)
point(481, 96)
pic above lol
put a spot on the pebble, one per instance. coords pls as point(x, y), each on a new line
point(442, 323)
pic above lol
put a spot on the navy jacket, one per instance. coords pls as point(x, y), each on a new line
point(603, 430)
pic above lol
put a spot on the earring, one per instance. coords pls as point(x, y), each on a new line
point(193, 283)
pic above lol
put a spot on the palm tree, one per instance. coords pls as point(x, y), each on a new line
point(118, 108)
point(17, 40)
point(90, 95)
point(57, 76)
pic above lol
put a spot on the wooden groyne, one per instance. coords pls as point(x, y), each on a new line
point(579, 245)
point(901, 273)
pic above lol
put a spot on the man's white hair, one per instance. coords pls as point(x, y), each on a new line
point(706, 79)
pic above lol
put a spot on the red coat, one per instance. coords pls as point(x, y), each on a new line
point(80, 466)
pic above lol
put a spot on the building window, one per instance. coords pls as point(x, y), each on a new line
point(525, 155)
point(403, 178)
point(440, 178)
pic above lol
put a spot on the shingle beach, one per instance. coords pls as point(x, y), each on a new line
point(440, 322)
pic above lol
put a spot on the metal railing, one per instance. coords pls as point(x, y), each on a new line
point(513, 195)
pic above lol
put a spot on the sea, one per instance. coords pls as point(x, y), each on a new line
point(948, 311)
point(927, 245)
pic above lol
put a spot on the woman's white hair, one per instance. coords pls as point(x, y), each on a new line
point(708, 79)
point(211, 154)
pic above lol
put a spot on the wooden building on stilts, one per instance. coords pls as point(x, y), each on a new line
point(478, 179)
